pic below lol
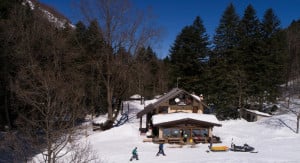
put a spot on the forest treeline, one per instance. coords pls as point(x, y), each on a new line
point(243, 66)
point(51, 75)
point(245, 62)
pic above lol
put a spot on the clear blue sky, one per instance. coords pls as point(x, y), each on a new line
point(173, 15)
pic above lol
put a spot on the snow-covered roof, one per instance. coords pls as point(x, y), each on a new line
point(136, 96)
point(259, 113)
point(163, 118)
point(196, 97)
point(157, 96)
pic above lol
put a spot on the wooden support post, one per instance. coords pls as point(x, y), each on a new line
point(141, 122)
point(122, 107)
point(128, 107)
point(298, 117)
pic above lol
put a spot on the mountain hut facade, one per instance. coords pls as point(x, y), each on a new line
point(178, 117)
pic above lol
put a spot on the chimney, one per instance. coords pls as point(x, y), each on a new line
point(201, 97)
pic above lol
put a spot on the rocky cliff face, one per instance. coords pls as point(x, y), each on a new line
point(50, 13)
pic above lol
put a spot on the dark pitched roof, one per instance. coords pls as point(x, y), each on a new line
point(188, 121)
point(174, 92)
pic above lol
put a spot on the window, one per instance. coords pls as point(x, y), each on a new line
point(200, 132)
point(187, 132)
point(200, 135)
point(175, 133)
point(163, 109)
point(171, 132)
point(166, 132)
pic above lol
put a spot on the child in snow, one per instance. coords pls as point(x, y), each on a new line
point(161, 150)
point(134, 154)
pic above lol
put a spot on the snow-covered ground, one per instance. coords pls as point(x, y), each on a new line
point(273, 137)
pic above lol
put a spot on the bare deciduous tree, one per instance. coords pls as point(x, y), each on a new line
point(83, 153)
point(45, 82)
point(122, 28)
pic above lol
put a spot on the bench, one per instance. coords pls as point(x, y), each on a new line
point(200, 139)
point(159, 140)
point(147, 140)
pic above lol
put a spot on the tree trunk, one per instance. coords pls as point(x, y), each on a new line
point(109, 102)
point(49, 159)
point(240, 107)
point(6, 109)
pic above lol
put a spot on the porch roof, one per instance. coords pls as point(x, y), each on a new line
point(184, 118)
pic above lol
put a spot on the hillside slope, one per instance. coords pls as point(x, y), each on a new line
point(274, 138)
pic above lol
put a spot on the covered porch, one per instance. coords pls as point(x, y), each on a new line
point(184, 128)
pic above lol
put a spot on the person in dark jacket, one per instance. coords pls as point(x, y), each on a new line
point(161, 150)
point(134, 154)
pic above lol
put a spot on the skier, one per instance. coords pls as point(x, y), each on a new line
point(134, 154)
point(161, 150)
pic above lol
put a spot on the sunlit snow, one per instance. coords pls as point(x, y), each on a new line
point(273, 137)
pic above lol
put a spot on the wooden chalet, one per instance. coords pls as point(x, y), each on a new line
point(178, 117)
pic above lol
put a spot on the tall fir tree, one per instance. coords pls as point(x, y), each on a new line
point(188, 58)
point(13, 17)
point(146, 67)
point(226, 36)
point(80, 35)
point(251, 47)
point(6, 8)
point(273, 56)
point(226, 73)
point(95, 47)
point(293, 58)
point(89, 43)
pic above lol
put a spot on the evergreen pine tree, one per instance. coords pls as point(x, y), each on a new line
point(273, 56)
point(94, 39)
point(226, 73)
point(251, 47)
point(91, 45)
point(147, 69)
point(6, 6)
point(188, 57)
point(226, 33)
point(80, 34)
point(293, 59)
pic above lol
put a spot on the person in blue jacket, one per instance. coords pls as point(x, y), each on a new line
point(161, 150)
point(134, 154)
